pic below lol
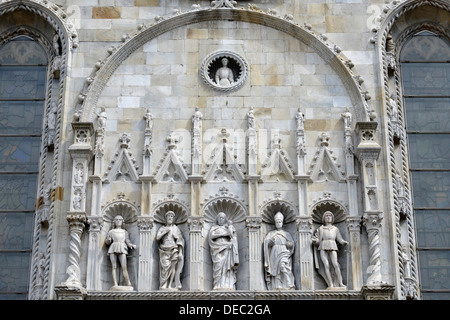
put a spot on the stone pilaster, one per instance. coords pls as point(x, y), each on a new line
point(367, 152)
point(354, 231)
point(81, 153)
point(145, 269)
point(306, 258)
point(256, 278)
point(196, 253)
point(93, 263)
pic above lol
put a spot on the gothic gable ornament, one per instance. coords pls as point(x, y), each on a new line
point(324, 166)
point(224, 70)
point(277, 166)
point(171, 168)
point(223, 166)
point(122, 167)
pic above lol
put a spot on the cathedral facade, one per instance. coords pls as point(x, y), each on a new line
point(156, 149)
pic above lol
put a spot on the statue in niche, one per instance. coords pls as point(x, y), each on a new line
point(224, 75)
point(278, 251)
point(326, 237)
point(223, 246)
point(171, 254)
point(51, 123)
point(119, 243)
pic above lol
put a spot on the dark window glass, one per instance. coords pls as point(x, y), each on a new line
point(435, 119)
point(433, 228)
point(23, 68)
point(425, 72)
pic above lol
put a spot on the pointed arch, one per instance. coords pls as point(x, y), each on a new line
point(48, 25)
point(400, 22)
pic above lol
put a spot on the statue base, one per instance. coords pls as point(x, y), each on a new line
point(121, 288)
point(337, 288)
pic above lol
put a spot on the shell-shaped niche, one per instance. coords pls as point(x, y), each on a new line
point(124, 209)
point(181, 212)
point(233, 209)
point(272, 207)
point(328, 204)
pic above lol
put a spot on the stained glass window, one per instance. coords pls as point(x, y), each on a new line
point(23, 68)
point(425, 72)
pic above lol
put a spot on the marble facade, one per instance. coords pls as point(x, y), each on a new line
point(143, 128)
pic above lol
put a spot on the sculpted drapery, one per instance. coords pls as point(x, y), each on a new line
point(278, 251)
point(223, 245)
point(171, 254)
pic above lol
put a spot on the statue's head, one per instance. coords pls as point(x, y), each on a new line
point(118, 221)
point(170, 216)
point(279, 218)
point(221, 218)
point(328, 216)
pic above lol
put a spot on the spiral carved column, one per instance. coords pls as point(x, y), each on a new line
point(76, 227)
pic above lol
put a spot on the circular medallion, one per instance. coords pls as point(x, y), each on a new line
point(224, 70)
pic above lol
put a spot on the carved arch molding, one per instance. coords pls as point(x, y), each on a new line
point(44, 22)
point(330, 53)
point(398, 23)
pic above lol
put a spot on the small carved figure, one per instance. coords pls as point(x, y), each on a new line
point(251, 119)
point(224, 75)
point(223, 246)
point(326, 237)
point(347, 116)
point(51, 123)
point(171, 254)
point(148, 120)
point(119, 243)
point(300, 119)
point(102, 118)
point(278, 251)
point(196, 119)
point(394, 107)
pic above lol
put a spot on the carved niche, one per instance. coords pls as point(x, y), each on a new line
point(224, 70)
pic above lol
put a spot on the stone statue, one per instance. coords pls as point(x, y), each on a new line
point(278, 251)
point(148, 120)
point(224, 75)
point(171, 254)
point(223, 246)
point(326, 237)
point(119, 243)
point(102, 118)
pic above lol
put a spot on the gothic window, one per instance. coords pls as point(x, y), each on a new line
point(23, 71)
point(425, 69)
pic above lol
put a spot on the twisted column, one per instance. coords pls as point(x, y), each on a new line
point(76, 227)
point(372, 222)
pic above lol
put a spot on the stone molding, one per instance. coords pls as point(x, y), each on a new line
point(330, 53)
point(389, 36)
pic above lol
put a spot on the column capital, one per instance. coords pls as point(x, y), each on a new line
point(145, 223)
point(304, 224)
point(195, 223)
point(372, 220)
point(253, 223)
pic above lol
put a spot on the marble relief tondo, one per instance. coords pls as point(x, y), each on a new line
point(224, 70)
